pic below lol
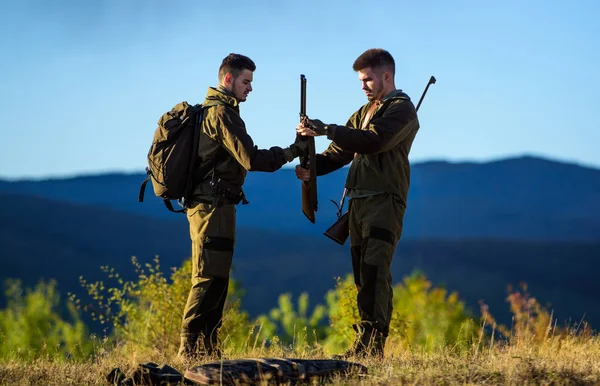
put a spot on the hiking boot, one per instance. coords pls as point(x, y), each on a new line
point(212, 346)
point(370, 342)
point(193, 347)
point(188, 348)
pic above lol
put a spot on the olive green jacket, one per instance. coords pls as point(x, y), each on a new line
point(230, 145)
point(381, 163)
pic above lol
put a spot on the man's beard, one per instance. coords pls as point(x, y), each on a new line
point(240, 98)
point(379, 93)
point(376, 94)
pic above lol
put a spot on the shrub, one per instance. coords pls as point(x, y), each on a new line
point(147, 312)
point(32, 327)
point(422, 316)
point(294, 327)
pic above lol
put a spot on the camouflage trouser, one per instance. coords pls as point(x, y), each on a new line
point(375, 228)
point(212, 230)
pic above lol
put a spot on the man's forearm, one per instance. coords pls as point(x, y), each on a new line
point(326, 165)
point(268, 160)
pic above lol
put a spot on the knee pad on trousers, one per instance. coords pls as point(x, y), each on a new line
point(378, 249)
point(217, 255)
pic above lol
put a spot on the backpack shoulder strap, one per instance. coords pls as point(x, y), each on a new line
point(202, 171)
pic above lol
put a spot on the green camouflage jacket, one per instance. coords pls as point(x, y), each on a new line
point(231, 146)
point(380, 151)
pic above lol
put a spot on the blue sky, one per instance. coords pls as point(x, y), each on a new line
point(84, 82)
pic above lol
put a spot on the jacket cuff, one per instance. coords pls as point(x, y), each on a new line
point(289, 156)
point(330, 130)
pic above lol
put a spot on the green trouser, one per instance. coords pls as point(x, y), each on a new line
point(375, 228)
point(212, 230)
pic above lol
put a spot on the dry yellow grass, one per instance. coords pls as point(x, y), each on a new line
point(570, 360)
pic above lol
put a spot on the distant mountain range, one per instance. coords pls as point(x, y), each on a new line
point(520, 198)
point(472, 227)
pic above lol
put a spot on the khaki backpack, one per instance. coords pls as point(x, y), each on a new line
point(173, 155)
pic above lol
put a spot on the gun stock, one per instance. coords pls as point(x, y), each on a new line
point(309, 188)
point(307, 207)
point(340, 230)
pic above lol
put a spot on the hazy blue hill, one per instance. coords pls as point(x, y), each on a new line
point(523, 198)
point(532, 184)
point(41, 238)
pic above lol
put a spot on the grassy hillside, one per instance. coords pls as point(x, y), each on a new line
point(49, 239)
point(556, 362)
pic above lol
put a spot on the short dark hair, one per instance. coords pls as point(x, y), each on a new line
point(375, 58)
point(234, 64)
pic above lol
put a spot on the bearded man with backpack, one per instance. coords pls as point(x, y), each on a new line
point(226, 152)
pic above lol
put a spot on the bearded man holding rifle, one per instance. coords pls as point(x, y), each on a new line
point(377, 140)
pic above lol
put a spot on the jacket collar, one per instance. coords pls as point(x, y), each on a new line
point(213, 94)
point(393, 94)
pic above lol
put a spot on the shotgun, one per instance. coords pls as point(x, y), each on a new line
point(309, 188)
